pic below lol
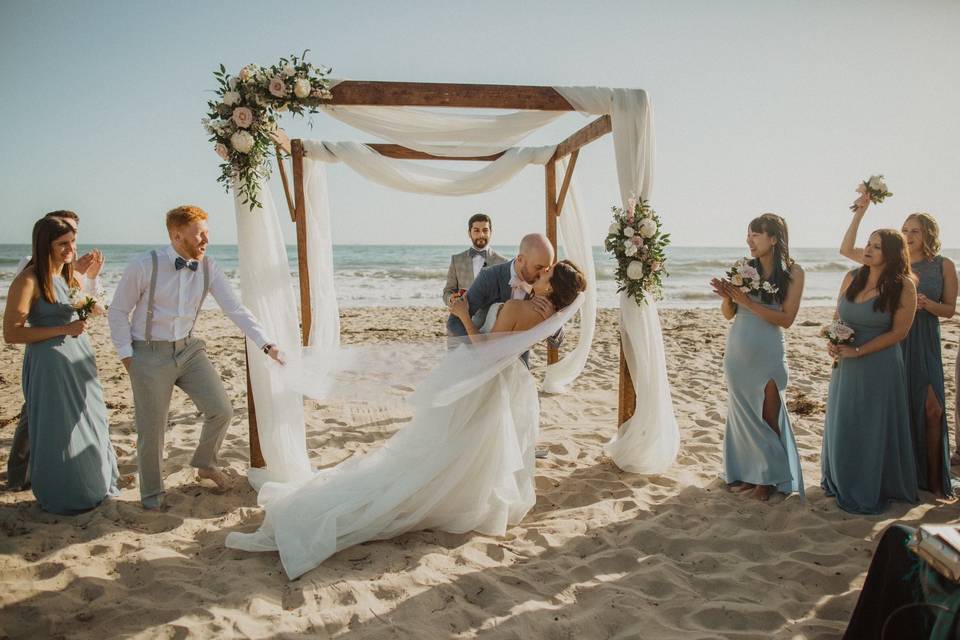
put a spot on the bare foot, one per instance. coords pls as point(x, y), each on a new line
point(746, 486)
point(215, 475)
point(763, 492)
point(734, 486)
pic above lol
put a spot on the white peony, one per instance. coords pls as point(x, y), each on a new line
point(635, 270)
point(628, 232)
point(631, 250)
point(242, 141)
point(648, 228)
point(231, 98)
point(876, 183)
point(614, 229)
point(288, 70)
point(301, 88)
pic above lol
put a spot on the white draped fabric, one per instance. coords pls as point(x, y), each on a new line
point(444, 133)
point(266, 288)
point(266, 285)
point(649, 441)
point(414, 177)
point(574, 235)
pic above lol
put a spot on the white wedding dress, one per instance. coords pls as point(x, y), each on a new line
point(458, 466)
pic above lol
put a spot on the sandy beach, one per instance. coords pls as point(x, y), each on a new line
point(604, 554)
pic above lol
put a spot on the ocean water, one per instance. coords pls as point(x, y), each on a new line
point(414, 275)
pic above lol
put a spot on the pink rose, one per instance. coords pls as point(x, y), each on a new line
point(243, 117)
point(222, 150)
point(637, 241)
point(244, 74)
point(277, 87)
point(655, 266)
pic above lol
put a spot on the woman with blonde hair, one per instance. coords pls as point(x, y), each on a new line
point(936, 280)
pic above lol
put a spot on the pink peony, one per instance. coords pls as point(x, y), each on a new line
point(244, 74)
point(243, 117)
point(277, 87)
point(749, 273)
point(222, 150)
point(637, 241)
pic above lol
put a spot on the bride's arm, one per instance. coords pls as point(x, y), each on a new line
point(461, 309)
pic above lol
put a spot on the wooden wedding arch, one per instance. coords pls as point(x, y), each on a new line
point(470, 96)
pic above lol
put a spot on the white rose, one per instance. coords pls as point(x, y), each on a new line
point(648, 228)
point(614, 229)
point(876, 183)
point(231, 98)
point(631, 250)
point(242, 141)
point(301, 88)
point(288, 70)
point(232, 83)
point(635, 270)
point(628, 232)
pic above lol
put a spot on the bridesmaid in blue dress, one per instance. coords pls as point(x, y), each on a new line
point(936, 279)
point(867, 455)
point(759, 450)
point(72, 464)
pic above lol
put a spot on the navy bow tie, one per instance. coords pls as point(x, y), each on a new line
point(180, 263)
point(478, 252)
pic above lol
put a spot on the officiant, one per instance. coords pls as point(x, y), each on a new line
point(465, 266)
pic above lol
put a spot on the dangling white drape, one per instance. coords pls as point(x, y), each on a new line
point(650, 440)
point(266, 288)
point(574, 238)
point(414, 177)
point(444, 133)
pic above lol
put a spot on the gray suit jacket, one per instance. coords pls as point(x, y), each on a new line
point(460, 273)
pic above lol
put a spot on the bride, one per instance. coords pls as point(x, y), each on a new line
point(465, 462)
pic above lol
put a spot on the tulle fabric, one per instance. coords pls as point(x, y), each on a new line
point(465, 462)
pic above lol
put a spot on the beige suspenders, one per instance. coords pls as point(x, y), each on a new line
point(147, 334)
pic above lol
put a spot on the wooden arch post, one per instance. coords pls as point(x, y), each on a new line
point(418, 94)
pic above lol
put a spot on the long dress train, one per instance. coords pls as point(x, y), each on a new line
point(465, 466)
point(752, 451)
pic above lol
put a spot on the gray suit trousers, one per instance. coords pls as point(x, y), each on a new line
point(156, 368)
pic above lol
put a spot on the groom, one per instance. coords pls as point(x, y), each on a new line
point(154, 311)
point(511, 280)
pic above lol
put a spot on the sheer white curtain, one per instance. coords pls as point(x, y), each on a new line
point(266, 288)
point(650, 440)
point(574, 238)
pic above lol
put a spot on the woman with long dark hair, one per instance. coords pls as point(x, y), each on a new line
point(72, 463)
point(759, 450)
point(867, 456)
point(936, 280)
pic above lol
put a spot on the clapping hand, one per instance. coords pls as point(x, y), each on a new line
point(725, 289)
point(720, 287)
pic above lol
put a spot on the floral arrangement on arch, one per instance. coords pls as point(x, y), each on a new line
point(242, 118)
point(638, 244)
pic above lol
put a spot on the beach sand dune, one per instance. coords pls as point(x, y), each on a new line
point(603, 554)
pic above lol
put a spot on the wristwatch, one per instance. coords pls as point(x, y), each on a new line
point(266, 348)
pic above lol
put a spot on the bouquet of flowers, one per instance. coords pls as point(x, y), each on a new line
point(639, 246)
point(875, 187)
point(837, 332)
point(745, 277)
point(245, 113)
point(85, 304)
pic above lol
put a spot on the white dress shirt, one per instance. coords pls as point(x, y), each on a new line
point(89, 285)
point(175, 302)
point(479, 261)
point(519, 287)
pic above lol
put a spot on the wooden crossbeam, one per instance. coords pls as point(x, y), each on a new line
point(403, 153)
point(596, 129)
point(434, 94)
point(566, 181)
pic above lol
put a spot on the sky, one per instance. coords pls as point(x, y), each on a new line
point(758, 106)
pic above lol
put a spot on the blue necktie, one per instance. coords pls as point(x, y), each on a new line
point(180, 263)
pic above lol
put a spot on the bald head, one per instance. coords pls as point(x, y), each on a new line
point(534, 257)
